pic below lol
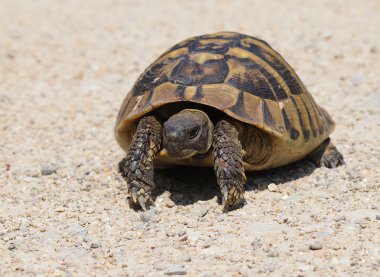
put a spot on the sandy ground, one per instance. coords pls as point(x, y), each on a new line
point(65, 67)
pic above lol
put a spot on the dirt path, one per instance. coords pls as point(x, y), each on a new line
point(65, 67)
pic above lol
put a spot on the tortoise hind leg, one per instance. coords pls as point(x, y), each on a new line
point(326, 155)
point(137, 168)
point(228, 164)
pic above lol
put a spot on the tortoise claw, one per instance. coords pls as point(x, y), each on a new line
point(139, 198)
point(231, 198)
point(224, 198)
point(341, 161)
point(142, 202)
point(134, 194)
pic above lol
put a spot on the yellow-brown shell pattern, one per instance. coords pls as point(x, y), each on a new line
point(237, 74)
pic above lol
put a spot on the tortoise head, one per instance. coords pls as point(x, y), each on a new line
point(188, 133)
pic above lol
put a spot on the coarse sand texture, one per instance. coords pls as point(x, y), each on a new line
point(65, 67)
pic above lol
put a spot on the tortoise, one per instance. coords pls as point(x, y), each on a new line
point(226, 100)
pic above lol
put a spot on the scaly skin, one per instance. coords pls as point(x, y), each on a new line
point(138, 169)
point(228, 164)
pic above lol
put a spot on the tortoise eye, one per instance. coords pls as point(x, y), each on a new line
point(193, 133)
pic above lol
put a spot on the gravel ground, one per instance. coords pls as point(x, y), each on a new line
point(65, 67)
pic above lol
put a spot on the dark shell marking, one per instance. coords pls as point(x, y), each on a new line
point(188, 72)
point(245, 64)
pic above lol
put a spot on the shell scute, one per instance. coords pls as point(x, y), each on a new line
point(192, 73)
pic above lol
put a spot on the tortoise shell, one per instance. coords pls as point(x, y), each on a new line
point(239, 75)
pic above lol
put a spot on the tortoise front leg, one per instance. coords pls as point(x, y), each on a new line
point(138, 169)
point(228, 164)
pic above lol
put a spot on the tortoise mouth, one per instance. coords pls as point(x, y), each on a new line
point(200, 156)
point(180, 153)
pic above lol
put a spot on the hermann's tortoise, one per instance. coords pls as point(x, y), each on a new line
point(225, 100)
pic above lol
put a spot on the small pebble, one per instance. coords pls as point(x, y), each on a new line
point(11, 246)
point(48, 169)
point(95, 245)
point(192, 223)
point(87, 188)
point(339, 218)
point(272, 187)
point(267, 267)
point(169, 233)
point(315, 246)
point(200, 211)
point(181, 233)
point(176, 270)
point(90, 211)
point(169, 203)
point(147, 216)
point(8, 237)
point(105, 185)
point(272, 254)
point(59, 209)
point(183, 238)
point(378, 216)
point(334, 246)
point(86, 239)
point(373, 50)
point(284, 197)
point(193, 236)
